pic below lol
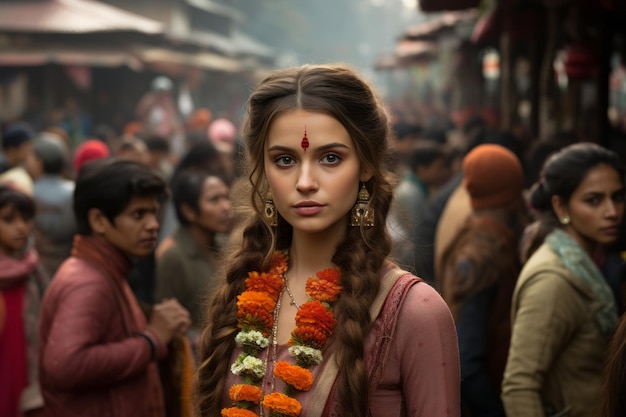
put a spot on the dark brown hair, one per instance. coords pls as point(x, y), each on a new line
point(561, 175)
point(613, 394)
point(19, 202)
point(337, 91)
point(109, 184)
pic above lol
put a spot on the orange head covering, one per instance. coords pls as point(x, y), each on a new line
point(199, 119)
point(494, 176)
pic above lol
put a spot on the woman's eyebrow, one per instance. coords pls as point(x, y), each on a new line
point(319, 148)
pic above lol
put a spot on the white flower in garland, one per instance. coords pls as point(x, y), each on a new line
point(260, 298)
point(252, 338)
point(248, 365)
point(306, 354)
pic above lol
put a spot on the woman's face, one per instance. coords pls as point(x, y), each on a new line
point(596, 208)
point(313, 188)
point(14, 230)
point(215, 213)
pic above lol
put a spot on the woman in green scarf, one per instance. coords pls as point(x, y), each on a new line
point(563, 310)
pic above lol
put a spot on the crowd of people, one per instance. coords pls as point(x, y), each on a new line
point(326, 258)
point(119, 227)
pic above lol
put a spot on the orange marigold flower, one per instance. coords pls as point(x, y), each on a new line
point(315, 313)
point(278, 264)
point(323, 290)
point(308, 336)
point(245, 392)
point(332, 275)
point(264, 282)
point(262, 322)
point(251, 301)
point(237, 412)
point(255, 311)
point(300, 378)
point(280, 403)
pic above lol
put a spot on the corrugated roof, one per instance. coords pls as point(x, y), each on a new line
point(71, 16)
point(414, 49)
point(96, 57)
point(205, 60)
point(432, 27)
point(134, 57)
point(407, 53)
point(217, 8)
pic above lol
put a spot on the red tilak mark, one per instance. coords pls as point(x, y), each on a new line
point(305, 141)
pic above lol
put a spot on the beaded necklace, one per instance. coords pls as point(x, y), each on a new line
point(257, 318)
point(289, 293)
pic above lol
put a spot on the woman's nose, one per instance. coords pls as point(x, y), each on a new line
point(306, 180)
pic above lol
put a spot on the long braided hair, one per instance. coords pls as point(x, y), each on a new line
point(335, 90)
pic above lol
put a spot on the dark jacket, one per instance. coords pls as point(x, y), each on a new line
point(186, 272)
point(479, 271)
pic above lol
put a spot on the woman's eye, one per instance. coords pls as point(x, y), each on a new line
point(593, 201)
point(284, 160)
point(331, 159)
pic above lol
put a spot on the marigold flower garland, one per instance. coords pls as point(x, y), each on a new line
point(315, 322)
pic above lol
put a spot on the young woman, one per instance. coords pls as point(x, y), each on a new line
point(563, 310)
point(22, 282)
point(312, 318)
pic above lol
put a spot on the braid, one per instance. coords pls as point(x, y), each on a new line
point(360, 265)
point(337, 91)
point(217, 341)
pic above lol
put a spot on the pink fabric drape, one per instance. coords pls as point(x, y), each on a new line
point(14, 374)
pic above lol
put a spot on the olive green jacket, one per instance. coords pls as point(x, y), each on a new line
point(557, 351)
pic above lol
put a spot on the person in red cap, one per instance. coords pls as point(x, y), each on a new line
point(88, 151)
point(479, 271)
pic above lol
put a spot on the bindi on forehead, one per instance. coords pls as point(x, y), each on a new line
point(305, 141)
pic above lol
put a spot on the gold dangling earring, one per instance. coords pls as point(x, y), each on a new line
point(362, 214)
point(270, 210)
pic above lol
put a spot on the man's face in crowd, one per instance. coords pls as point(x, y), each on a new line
point(134, 231)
